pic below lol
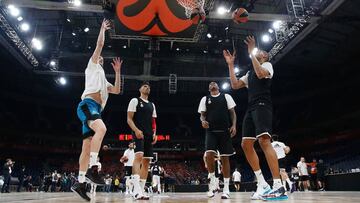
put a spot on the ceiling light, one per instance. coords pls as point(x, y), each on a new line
point(24, 27)
point(277, 24)
point(36, 44)
point(266, 38)
point(221, 10)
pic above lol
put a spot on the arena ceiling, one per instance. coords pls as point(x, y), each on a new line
point(315, 73)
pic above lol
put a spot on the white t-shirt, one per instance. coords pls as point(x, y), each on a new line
point(229, 100)
point(279, 148)
point(236, 176)
point(267, 65)
point(95, 81)
point(302, 169)
point(129, 153)
point(134, 102)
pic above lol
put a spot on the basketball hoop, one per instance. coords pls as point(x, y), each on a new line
point(194, 9)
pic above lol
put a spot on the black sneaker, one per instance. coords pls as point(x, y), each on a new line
point(80, 189)
point(93, 176)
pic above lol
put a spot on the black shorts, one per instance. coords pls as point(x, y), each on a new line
point(304, 178)
point(145, 146)
point(219, 140)
point(314, 177)
point(282, 163)
point(128, 170)
point(257, 122)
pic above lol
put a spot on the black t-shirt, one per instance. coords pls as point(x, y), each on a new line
point(143, 116)
point(217, 113)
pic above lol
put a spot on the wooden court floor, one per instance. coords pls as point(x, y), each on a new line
point(297, 197)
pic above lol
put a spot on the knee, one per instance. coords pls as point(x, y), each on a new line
point(264, 142)
point(101, 129)
point(246, 146)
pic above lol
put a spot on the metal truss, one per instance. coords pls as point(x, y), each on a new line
point(15, 39)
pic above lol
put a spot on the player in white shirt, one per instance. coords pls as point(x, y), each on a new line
point(303, 173)
point(127, 159)
point(218, 118)
point(237, 179)
point(94, 98)
point(94, 186)
point(281, 151)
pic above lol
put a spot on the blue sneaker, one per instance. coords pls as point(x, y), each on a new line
point(260, 192)
point(276, 194)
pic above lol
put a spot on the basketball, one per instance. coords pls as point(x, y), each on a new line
point(124, 159)
point(240, 15)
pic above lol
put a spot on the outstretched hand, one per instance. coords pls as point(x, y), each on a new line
point(116, 64)
point(229, 58)
point(250, 42)
point(106, 25)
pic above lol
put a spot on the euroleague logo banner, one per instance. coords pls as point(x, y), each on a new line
point(165, 18)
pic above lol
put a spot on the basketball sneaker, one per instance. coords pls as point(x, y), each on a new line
point(261, 190)
point(276, 194)
point(225, 195)
point(80, 189)
point(212, 188)
point(93, 176)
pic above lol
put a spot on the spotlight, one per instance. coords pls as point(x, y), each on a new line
point(226, 28)
point(225, 86)
point(254, 51)
point(222, 10)
point(68, 19)
point(74, 34)
point(25, 27)
point(209, 35)
point(62, 81)
point(236, 70)
point(205, 52)
point(20, 18)
point(265, 38)
point(177, 49)
point(77, 2)
point(124, 46)
point(86, 29)
point(36, 44)
point(271, 31)
point(13, 10)
point(220, 40)
point(277, 24)
point(52, 63)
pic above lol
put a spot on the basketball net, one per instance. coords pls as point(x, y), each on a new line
point(192, 6)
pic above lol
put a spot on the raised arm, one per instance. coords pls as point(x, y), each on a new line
point(230, 58)
point(100, 41)
point(116, 64)
point(259, 70)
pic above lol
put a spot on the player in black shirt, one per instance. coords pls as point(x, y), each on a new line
point(257, 123)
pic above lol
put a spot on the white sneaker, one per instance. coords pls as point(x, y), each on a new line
point(225, 195)
point(210, 194)
point(261, 191)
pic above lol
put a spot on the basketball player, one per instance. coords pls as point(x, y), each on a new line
point(257, 123)
point(127, 159)
point(281, 151)
point(141, 119)
point(218, 117)
point(303, 174)
point(155, 171)
point(237, 179)
point(93, 186)
point(94, 99)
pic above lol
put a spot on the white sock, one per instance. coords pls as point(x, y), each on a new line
point(136, 182)
point(211, 175)
point(226, 185)
point(277, 184)
point(260, 177)
point(81, 177)
point(142, 184)
point(93, 158)
point(284, 183)
point(289, 182)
